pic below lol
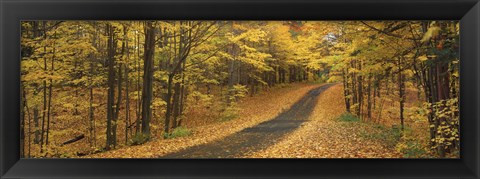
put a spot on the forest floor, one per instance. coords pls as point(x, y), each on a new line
point(298, 121)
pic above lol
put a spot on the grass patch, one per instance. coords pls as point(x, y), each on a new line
point(178, 132)
point(390, 136)
point(139, 139)
point(348, 117)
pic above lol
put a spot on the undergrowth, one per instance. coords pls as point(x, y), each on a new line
point(138, 139)
point(178, 132)
point(348, 117)
point(392, 137)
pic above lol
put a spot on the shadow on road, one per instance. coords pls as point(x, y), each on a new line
point(257, 137)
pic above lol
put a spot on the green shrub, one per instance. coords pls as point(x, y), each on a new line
point(138, 139)
point(393, 135)
point(178, 132)
point(348, 117)
point(412, 149)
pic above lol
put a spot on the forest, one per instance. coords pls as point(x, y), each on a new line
point(239, 89)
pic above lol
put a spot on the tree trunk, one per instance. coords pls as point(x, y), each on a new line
point(360, 91)
point(176, 104)
point(117, 105)
point(169, 104)
point(346, 94)
point(139, 100)
point(402, 97)
point(44, 112)
point(111, 87)
point(49, 112)
point(37, 125)
point(369, 101)
point(127, 85)
point(91, 110)
point(149, 51)
point(183, 96)
point(22, 120)
point(91, 119)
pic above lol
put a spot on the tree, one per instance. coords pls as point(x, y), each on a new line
point(148, 76)
point(111, 121)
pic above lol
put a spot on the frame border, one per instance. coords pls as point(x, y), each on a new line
point(13, 11)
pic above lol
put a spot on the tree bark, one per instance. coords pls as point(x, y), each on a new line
point(111, 87)
point(149, 51)
point(44, 112)
point(346, 93)
point(127, 85)
point(369, 101)
point(401, 82)
point(49, 112)
point(22, 120)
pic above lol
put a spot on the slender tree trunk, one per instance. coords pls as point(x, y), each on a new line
point(44, 112)
point(22, 120)
point(139, 101)
point(29, 126)
point(169, 105)
point(91, 118)
point(119, 91)
point(149, 51)
point(111, 87)
point(353, 86)
point(37, 125)
point(91, 110)
point(50, 95)
point(369, 101)
point(168, 97)
point(127, 85)
point(117, 106)
point(346, 94)
point(183, 97)
point(402, 101)
point(360, 90)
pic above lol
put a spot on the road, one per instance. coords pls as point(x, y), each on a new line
point(257, 137)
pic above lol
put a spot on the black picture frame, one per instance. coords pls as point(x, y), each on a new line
point(13, 11)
